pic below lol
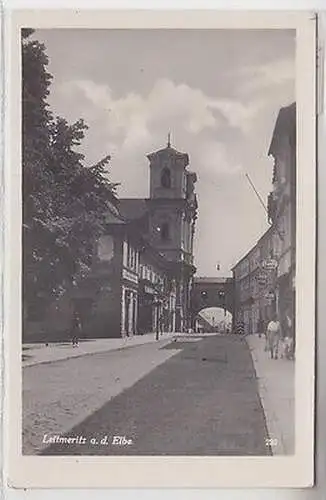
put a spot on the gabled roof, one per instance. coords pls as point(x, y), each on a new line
point(169, 151)
point(207, 280)
point(266, 234)
point(133, 208)
point(111, 218)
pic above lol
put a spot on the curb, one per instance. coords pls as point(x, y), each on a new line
point(121, 348)
point(273, 426)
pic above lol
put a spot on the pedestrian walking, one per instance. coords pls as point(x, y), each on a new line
point(76, 328)
point(273, 336)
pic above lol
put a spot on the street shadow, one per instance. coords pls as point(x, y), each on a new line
point(202, 401)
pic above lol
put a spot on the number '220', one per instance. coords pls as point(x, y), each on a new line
point(271, 441)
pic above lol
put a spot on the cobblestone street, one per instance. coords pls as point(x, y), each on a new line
point(198, 398)
point(61, 394)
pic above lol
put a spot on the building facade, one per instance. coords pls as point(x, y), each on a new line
point(282, 211)
point(152, 244)
point(264, 278)
point(254, 284)
point(172, 209)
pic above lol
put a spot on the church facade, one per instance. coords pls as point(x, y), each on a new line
point(156, 265)
point(172, 214)
point(147, 275)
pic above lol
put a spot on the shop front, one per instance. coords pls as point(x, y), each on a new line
point(129, 303)
point(148, 308)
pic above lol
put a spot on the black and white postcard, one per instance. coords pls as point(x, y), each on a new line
point(161, 249)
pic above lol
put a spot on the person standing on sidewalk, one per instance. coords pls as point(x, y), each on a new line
point(260, 327)
point(76, 328)
point(288, 335)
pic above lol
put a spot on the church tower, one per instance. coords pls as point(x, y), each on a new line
point(172, 216)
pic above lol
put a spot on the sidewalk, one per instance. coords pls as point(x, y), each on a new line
point(34, 354)
point(276, 388)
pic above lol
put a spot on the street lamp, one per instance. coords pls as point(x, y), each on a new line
point(156, 304)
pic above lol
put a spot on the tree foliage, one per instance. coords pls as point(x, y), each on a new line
point(64, 201)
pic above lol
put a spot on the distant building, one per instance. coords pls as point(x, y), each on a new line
point(254, 284)
point(202, 325)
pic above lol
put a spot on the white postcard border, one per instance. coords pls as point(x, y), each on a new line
point(81, 472)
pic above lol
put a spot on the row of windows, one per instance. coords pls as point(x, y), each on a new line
point(265, 251)
point(147, 272)
point(131, 260)
point(130, 257)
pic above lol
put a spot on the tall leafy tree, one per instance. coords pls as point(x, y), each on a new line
point(64, 201)
point(37, 181)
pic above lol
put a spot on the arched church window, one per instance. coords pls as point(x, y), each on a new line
point(165, 231)
point(166, 178)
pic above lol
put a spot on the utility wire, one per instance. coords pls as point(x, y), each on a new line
point(262, 203)
point(257, 194)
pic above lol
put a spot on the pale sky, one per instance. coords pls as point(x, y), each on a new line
point(215, 315)
point(217, 91)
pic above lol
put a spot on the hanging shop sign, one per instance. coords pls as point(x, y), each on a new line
point(262, 279)
point(269, 264)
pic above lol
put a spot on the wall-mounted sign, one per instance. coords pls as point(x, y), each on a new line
point(148, 289)
point(130, 276)
point(262, 279)
point(269, 264)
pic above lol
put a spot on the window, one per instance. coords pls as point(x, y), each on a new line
point(166, 178)
point(128, 253)
point(125, 253)
point(165, 231)
point(105, 248)
point(132, 257)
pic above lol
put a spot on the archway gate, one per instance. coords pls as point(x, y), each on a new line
point(212, 292)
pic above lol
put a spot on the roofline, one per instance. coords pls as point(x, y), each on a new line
point(266, 233)
point(201, 279)
point(282, 110)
